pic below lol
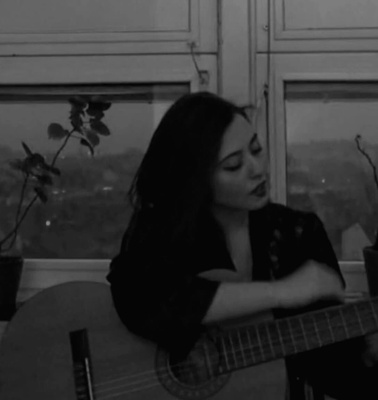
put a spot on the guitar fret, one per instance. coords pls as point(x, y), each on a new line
point(305, 336)
point(367, 316)
point(330, 326)
point(260, 344)
point(298, 334)
point(317, 331)
point(311, 331)
point(250, 346)
point(270, 341)
point(256, 345)
point(337, 324)
point(353, 321)
point(292, 336)
point(358, 318)
point(265, 345)
point(242, 350)
point(276, 340)
point(344, 324)
point(324, 329)
point(208, 358)
point(225, 353)
point(232, 351)
point(247, 347)
point(286, 337)
point(280, 340)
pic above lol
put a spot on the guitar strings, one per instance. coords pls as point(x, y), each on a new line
point(146, 378)
point(291, 336)
point(122, 377)
point(264, 346)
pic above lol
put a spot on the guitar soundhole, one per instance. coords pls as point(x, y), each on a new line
point(195, 377)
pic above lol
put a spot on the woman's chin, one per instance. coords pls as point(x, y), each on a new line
point(259, 202)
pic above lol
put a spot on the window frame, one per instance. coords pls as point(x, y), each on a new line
point(201, 31)
point(300, 68)
point(139, 69)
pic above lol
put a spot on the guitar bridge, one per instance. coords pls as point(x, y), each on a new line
point(81, 365)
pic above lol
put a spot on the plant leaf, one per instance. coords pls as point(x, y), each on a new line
point(76, 121)
point(100, 102)
point(94, 112)
point(92, 137)
point(86, 143)
point(78, 102)
point(27, 149)
point(97, 108)
point(100, 127)
point(53, 170)
point(34, 161)
point(41, 194)
point(56, 131)
point(44, 179)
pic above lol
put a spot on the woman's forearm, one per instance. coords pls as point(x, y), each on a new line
point(311, 282)
point(234, 299)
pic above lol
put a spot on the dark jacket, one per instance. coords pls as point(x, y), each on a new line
point(160, 296)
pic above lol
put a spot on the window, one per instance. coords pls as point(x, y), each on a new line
point(325, 171)
point(88, 210)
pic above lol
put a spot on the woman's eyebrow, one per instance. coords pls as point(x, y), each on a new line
point(238, 152)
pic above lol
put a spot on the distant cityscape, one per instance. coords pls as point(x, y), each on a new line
point(334, 180)
point(88, 209)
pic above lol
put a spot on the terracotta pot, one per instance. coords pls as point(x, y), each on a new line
point(10, 277)
point(371, 268)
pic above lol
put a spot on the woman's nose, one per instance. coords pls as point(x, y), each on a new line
point(257, 167)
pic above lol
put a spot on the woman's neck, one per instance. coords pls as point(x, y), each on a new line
point(231, 220)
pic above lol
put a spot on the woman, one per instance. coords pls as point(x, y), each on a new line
point(205, 244)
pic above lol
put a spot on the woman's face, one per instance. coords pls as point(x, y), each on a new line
point(240, 179)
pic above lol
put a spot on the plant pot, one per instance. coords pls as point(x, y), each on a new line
point(10, 277)
point(371, 269)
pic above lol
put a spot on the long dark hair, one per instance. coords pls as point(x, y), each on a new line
point(171, 189)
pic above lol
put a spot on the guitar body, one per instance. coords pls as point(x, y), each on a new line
point(36, 356)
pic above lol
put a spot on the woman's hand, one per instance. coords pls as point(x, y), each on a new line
point(312, 282)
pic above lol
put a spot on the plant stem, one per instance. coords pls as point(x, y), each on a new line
point(16, 224)
point(21, 197)
point(370, 161)
point(62, 147)
point(14, 231)
point(18, 220)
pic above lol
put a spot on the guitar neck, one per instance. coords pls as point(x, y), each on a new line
point(251, 345)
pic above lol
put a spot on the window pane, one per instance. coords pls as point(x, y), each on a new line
point(325, 171)
point(87, 211)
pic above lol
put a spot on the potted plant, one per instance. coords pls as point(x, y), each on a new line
point(86, 125)
point(370, 253)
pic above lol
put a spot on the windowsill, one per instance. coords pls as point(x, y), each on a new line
point(39, 274)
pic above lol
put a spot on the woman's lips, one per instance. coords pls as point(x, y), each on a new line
point(260, 189)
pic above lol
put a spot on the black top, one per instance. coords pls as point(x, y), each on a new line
point(160, 297)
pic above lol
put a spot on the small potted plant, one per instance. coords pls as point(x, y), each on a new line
point(370, 253)
point(86, 125)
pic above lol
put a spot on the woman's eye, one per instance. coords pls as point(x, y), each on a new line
point(232, 167)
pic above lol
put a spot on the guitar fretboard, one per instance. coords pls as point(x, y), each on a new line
point(250, 345)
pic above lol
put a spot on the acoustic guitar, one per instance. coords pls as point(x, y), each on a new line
point(68, 343)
